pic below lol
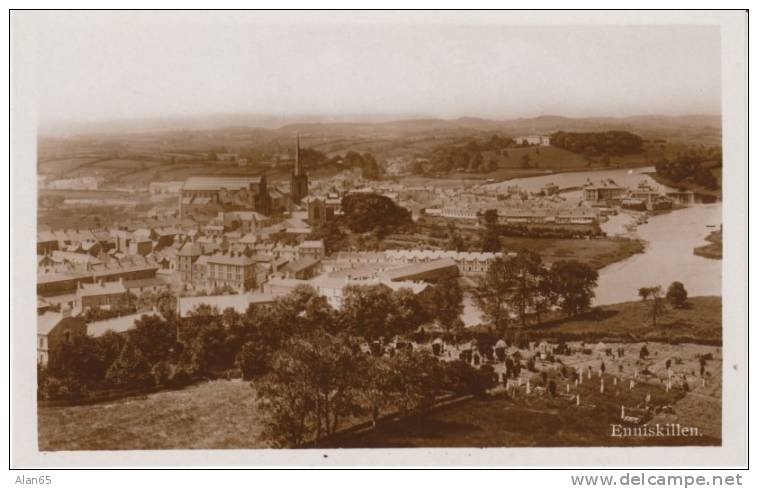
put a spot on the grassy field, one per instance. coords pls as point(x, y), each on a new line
point(699, 322)
point(218, 414)
point(595, 252)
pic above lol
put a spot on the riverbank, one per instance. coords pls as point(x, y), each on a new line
point(597, 253)
point(698, 322)
point(713, 250)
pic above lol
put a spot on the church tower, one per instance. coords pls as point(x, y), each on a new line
point(299, 179)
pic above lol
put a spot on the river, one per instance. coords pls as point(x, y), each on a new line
point(670, 239)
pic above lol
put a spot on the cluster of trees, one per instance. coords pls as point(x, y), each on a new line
point(592, 144)
point(366, 162)
point(370, 169)
point(693, 165)
point(676, 296)
point(364, 212)
point(519, 286)
point(163, 350)
point(319, 380)
point(475, 155)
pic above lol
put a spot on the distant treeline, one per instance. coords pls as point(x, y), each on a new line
point(612, 143)
point(370, 170)
point(469, 156)
point(693, 165)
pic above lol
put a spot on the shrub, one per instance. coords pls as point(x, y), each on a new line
point(67, 389)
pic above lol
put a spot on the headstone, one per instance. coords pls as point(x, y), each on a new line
point(614, 380)
point(602, 386)
point(622, 412)
point(577, 398)
point(647, 399)
point(568, 388)
point(528, 387)
point(631, 384)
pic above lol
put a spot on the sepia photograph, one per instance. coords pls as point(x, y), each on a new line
point(294, 232)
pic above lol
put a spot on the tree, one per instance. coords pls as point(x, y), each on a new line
point(366, 311)
point(444, 303)
point(406, 314)
point(253, 359)
point(573, 284)
point(511, 285)
point(84, 359)
point(703, 176)
point(490, 235)
point(377, 385)
point(152, 340)
point(477, 160)
point(417, 378)
point(653, 295)
point(311, 388)
point(365, 212)
point(525, 161)
point(676, 294)
point(526, 271)
point(491, 295)
point(369, 167)
point(205, 349)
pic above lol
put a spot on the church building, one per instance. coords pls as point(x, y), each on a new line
point(298, 179)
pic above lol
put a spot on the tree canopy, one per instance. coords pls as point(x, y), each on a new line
point(368, 211)
point(613, 143)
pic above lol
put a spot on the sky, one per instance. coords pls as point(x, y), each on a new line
point(89, 71)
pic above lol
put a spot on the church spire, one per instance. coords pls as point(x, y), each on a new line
point(298, 170)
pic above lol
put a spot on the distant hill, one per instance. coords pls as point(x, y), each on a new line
point(139, 152)
point(346, 124)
